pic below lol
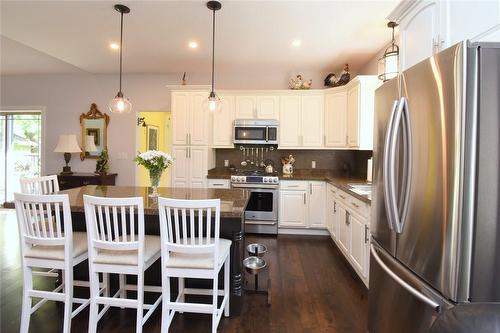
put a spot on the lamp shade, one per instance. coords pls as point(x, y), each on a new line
point(67, 144)
point(90, 144)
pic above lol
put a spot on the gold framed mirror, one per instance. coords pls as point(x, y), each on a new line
point(94, 128)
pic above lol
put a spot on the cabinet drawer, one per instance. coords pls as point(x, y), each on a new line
point(218, 183)
point(294, 185)
point(354, 204)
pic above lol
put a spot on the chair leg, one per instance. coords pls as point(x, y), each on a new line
point(140, 302)
point(122, 282)
point(68, 299)
point(26, 307)
point(181, 290)
point(226, 286)
point(165, 311)
point(94, 307)
point(214, 302)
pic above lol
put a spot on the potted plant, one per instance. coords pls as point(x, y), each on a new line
point(155, 162)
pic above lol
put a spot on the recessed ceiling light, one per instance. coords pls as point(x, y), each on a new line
point(296, 42)
point(114, 46)
point(193, 44)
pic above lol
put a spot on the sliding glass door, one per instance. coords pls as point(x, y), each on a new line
point(20, 150)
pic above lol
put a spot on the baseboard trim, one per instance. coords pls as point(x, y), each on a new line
point(299, 231)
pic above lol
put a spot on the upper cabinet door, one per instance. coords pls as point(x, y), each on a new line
point(180, 118)
point(268, 107)
point(246, 107)
point(222, 132)
point(312, 120)
point(420, 34)
point(180, 170)
point(353, 110)
point(336, 119)
point(198, 129)
point(290, 118)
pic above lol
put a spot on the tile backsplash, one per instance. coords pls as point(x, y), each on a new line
point(349, 162)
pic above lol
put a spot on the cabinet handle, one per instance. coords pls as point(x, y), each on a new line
point(189, 142)
point(335, 206)
point(355, 204)
point(347, 215)
point(310, 188)
point(367, 239)
point(187, 152)
point(292, 186)
point(217, 184)
point(347, 138)
point(187, 138)
point(304, 198)
point(189, 149)
point(340, 195)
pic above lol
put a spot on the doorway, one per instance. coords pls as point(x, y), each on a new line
point(20, 149)
point(153, 132)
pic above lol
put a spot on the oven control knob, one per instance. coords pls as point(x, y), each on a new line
point(266, 180)
point(241, 179)
point(275, 180)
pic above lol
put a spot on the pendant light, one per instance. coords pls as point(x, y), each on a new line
point(213, 102)
point(120, 104)
point(389, 63)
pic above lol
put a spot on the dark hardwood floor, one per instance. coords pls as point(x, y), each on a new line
point(313, 290)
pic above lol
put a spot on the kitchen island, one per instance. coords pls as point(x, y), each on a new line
point(233, 204)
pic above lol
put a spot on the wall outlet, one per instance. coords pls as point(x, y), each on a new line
point(122, 156)
point(313, 164)
point(226, 163)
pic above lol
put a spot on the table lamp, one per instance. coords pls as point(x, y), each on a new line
point(67, 144)
point(89, 144)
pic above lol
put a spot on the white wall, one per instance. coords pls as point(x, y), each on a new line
point(66, 96)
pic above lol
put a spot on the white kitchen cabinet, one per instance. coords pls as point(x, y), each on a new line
point(293, 208)
point(290, 118)
point(218, 183)
point(358, 242)
point(302, 204)
point(336, 118)
point(330, 212)
point(191, 166)
point(189, 118)
point(301, 120)
point(222, 123)
point(268, 107)
point(312, 110)
point(344, 239)
point(257, 106)
point(317, 204)
point(245, 107)
point(360, 111)
point(429, 26)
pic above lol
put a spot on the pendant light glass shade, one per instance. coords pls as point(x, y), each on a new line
point(120, 104)
point(213, 103)
point(388, 65)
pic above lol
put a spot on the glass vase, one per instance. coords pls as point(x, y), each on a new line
point(154, 178)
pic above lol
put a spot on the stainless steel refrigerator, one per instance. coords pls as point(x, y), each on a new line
point(435, 203)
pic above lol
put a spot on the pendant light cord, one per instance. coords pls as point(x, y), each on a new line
point(213, 49)
point(121, 49)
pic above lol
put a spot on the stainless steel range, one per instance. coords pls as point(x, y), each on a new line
point(261, 215)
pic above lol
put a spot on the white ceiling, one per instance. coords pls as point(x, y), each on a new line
point(71, 36)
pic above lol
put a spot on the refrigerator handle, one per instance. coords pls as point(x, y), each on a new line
point(403, 283)
point(386, 165)
point(393, 204)
point(407, 162)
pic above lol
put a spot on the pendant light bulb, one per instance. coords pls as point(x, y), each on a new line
point(120, 104)
point(213, 102)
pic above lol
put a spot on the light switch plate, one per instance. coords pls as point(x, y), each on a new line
point(313, 164)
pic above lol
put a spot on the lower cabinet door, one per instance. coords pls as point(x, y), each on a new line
point(358, 248)
point(335, 221)
point(180, 169)
point(198, 166)
point(344, 238)
point(317, 204)
point(293, 209)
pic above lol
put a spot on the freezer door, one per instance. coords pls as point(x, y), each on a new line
point(398, 300)
point(428, 242)
point(386, 98)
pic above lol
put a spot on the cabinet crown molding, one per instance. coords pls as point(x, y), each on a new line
point(402, 9)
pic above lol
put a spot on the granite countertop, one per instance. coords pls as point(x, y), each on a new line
point(233, 201)
point(308, 174)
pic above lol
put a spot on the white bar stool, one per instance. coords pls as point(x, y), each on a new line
point(186, 256)
point(41, 185)
point(114, 247)
point(47, 241)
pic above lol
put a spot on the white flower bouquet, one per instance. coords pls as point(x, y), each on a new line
point(155, 162)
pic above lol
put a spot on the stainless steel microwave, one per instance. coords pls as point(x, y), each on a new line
point(256, 131)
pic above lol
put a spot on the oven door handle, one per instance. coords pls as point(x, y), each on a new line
point(255, 186)
point(260, 222)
